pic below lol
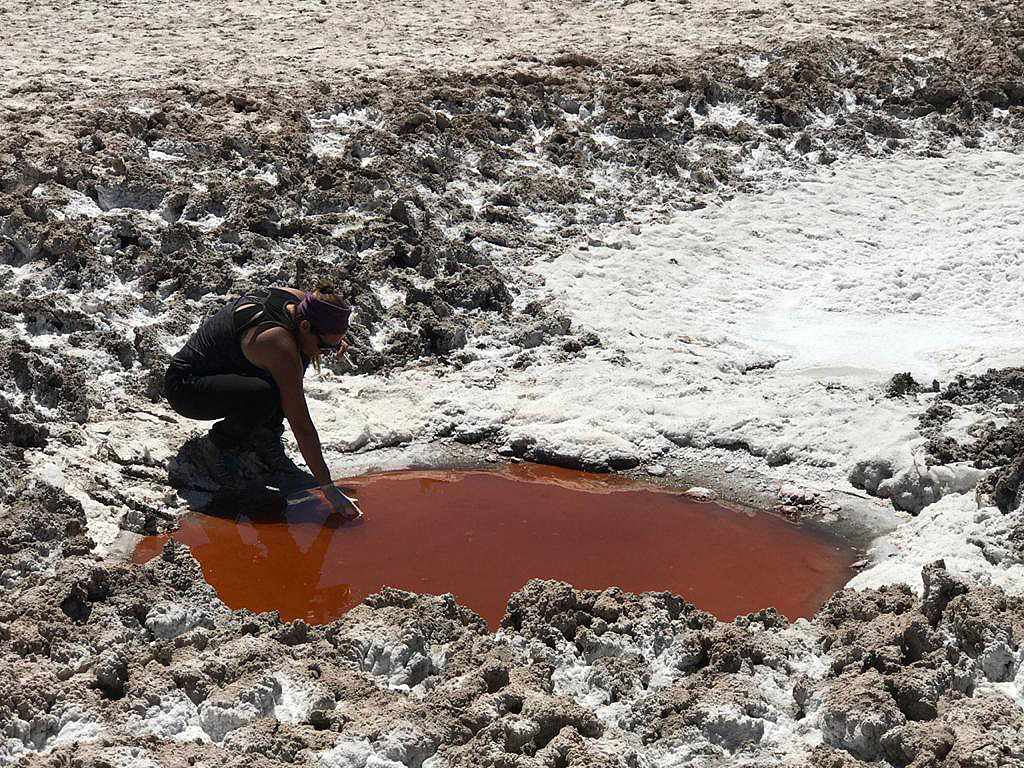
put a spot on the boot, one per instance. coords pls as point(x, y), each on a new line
point(282, 473)
point(222, 464)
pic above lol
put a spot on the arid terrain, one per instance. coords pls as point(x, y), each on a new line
point(768, 249)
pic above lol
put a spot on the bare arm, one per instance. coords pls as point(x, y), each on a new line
point(275, 351)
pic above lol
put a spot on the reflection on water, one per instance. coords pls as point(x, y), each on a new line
point(481, 535)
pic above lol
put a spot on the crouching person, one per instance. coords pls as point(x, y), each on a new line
point(244, 367)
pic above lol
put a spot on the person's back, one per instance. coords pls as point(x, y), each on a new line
point(215, 346)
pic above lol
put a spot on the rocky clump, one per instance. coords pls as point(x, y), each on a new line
point(912, 488)
point(904, 384)
point(901, 385)
point(898, 664)
point(995, 439)
point(986, 455)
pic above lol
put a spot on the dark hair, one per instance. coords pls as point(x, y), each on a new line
point(326, 292)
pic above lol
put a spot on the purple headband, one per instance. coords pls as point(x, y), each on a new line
point(323, 316)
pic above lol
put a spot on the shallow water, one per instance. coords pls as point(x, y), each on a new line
point(482, 534)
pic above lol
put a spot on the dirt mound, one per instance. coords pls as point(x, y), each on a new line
point(995, 439)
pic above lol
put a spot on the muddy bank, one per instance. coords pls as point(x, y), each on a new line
point(122, 659)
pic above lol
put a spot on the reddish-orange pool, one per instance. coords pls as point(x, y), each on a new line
point(482, 534)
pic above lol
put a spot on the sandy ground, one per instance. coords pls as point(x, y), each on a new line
point(690, 241)
point(93, 45)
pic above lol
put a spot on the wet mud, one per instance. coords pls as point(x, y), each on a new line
point(482, 535)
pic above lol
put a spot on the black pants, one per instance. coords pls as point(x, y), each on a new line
point(243, 403)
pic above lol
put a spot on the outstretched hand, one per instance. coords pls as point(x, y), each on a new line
point(342, 503)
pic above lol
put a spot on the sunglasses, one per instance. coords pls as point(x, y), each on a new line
point(324, 346)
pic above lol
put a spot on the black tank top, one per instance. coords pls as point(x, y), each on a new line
point(215, 347)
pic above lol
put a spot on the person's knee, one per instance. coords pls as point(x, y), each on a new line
point(254, 408)
point(270, 402)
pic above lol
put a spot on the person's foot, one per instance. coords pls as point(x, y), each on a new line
point(281, 472)
point(221, 464)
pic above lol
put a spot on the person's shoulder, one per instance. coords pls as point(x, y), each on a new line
point(275, 336)
point(293, 291)
point(275, 346)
